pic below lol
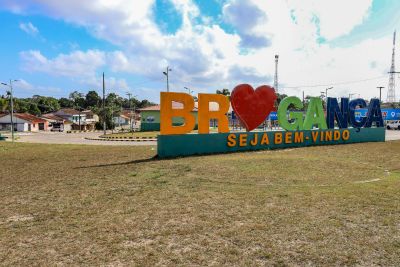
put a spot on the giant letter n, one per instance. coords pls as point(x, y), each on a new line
point(168, 112)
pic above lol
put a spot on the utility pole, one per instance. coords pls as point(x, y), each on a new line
point(12, 111)
point(276, 74)
point(104, 106)
point(12, 107)
point(166, 73)
point(130, 111)
point(303, 98)
point(380, 93)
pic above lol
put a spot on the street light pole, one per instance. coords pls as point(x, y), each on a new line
point(190, 91)
point(166, 73)
point(380, 92)
point(350, 95)
point(12, 107)
point(326, 91)
point(104, 107)
point(130, 111)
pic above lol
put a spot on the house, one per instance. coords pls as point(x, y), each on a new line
point(57, 123)
point(23, 122)
point(124, 119)
point(81, 120)
point(150, 117)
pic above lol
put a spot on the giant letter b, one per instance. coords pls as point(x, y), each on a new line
point(168, 113)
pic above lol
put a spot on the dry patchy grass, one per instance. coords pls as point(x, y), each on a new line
point(97, 205)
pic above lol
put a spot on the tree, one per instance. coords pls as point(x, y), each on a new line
point(46, 104)
point(78, 99)
point(92, 99)
point(4, 104)
point(66, 103)
point(224, 92)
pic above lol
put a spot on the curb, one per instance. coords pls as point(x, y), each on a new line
point(122, 140)
point(129, 138)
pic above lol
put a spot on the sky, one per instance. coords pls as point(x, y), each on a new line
point(56, 47)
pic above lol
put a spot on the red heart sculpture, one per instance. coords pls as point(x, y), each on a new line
point(251, 106)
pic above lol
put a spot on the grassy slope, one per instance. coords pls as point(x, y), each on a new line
point(65, 204)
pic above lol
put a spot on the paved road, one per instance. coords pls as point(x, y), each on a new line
point(79, 138)
point(73, 138)
point(392, 135)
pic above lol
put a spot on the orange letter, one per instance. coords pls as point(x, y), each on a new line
point(255, 139)
point(167, 113)
point(288, 137)
point(328, 136)
point(298, 137)
point(314, 136)
point(232, 140)
point(345, 135)
point(336, 135)
point(204, 114)
point(242, 139)
point(278, 138)
point(265, 140)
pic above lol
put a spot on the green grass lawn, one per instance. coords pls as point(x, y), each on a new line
point(112, 206)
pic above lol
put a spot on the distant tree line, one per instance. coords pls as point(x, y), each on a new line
point(38, 105)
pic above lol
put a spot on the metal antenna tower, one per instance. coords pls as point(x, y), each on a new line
point(276, 74)
point(391, 96)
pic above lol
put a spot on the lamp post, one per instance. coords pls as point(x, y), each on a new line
point(166, 73)
point(380, 92)
point(350, 95)
point(326, 91)
point(12, 106)
point(189, 90)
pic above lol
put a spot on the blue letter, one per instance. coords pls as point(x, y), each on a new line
point(334, 111)
point(374, 113)
point(352, 108)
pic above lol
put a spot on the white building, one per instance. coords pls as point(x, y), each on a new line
point(23, 122)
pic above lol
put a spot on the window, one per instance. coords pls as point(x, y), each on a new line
point(150, 119)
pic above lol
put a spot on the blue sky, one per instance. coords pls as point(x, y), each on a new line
point(56, 48)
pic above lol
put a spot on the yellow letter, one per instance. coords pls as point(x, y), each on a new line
point(298, 137)
point(345, 135)
point(265, 140)
point(231, 140)
point(288, 137)
point(255, 139)
point(204, 114)
point(278, 138)
point(167, 113)
point(242, 139)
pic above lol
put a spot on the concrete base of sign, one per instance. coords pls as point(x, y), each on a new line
point(201, 144)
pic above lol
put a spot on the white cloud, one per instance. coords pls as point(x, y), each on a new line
point(206, 57)
point(76, 64)
point(29, 28)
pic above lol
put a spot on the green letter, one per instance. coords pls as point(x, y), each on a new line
point(296, 116)
point(315, 115)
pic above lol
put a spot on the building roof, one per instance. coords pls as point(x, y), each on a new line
point(69, 111)
point(52, 116)
point(175, 105)
point(28, 117)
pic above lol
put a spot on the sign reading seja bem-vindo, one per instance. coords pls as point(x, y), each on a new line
point(338, 126)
